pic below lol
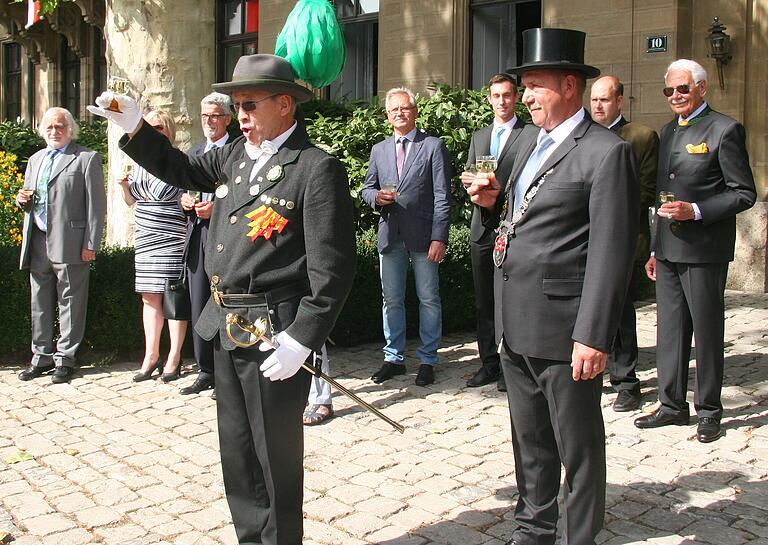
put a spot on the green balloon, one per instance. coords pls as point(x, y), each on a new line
point(312, 41)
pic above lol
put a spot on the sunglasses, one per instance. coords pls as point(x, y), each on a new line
point(248, 106)
point(682, 89)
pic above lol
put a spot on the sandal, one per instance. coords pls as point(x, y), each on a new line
point(317, 414)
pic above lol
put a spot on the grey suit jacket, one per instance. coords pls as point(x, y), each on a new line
point(76, 206)
point(568, 266)
point(704, 163)
point(480, 144)
point(422, 211)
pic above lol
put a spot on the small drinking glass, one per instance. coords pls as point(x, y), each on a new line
point(486, 163)
point(119, 86)
point(194, 194)
point(666, 197)
point(389, 186)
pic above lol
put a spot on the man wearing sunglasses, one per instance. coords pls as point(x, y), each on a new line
point(703, 162)
point(281, 248)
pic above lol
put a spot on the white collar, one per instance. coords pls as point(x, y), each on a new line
point(561, 132)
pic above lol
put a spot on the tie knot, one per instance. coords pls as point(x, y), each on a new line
point(52, 153)
point(500, 130)
point(545, 142)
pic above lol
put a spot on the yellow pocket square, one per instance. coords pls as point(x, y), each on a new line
point(701, 148)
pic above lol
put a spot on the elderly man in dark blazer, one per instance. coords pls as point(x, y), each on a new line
point(280, 251)
point(703, 162)
point(64, 202)
point(408, 182)
point(500, 139)
point(215, 116)
point(607, 100)
point(565, 248)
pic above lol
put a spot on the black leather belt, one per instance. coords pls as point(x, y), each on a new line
point(274, 296)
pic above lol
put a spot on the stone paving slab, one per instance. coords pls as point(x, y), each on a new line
point(109, 461)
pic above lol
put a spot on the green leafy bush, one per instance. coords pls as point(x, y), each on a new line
point(20, 139)
point(114, 310)
point(349, 133)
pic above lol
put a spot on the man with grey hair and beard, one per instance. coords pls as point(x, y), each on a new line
point(64, 204)
point(703, 162)
point(215, 117)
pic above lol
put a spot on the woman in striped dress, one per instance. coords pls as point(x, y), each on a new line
point(160, 232)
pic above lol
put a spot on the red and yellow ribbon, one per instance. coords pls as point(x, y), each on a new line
point(264, 221)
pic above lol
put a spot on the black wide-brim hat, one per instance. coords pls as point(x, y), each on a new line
point(265, 72)
point(554, 48)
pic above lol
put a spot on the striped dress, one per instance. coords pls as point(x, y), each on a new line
point(160, 231)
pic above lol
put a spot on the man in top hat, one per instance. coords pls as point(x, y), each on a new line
point(281, 249)
point(564, 250)
point(607, 100)
point(703, 161)
point(500, 139)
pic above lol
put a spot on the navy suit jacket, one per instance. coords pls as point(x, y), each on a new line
point(421, 212)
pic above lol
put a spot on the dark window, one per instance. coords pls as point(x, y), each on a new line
point(99, 62)
point(70, 79)
point(31, 92)
point(497, 36)
point(360, 21)
point(12, 83)
point(237, 34)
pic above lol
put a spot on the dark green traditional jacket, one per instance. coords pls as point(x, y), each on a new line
point(303, 193)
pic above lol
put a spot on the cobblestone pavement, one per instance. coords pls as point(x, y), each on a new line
point(114, 462)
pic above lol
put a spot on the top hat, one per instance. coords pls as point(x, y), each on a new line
point(265, 72)
point(554, 49)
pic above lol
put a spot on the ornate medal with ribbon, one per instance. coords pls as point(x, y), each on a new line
point(506, 229)
point(265, 221)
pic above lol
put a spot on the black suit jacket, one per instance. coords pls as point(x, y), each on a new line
point(480, 144)
point(705, 163)
point(568, 266)
point(193, 222)
point(316, 246)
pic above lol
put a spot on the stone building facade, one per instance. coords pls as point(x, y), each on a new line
point(172, 51)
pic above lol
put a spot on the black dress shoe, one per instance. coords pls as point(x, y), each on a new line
point(34, 371)
point(485, 375)
point(62, 374)
point(200, 385)
point(659, 418)
point(627, 400)
point(501, 384)
point(708, 430)
point(387, 371)
point(426, 375)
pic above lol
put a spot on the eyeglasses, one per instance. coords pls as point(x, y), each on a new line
point(216, 117)
point(401, 109)
point(248, 106)
point(682, 89)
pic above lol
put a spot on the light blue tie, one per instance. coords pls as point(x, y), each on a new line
point(42, 184)
point(531, 168)
point(495, 140)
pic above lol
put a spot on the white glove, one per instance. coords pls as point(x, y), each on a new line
point(287, 358)
point(129, 116)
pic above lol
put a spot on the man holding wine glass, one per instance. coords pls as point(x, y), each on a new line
point(214, 117)
point(704, 180)
point(492, 148)
point(408, 181)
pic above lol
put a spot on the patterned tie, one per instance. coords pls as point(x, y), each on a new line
point(496, 140)
point(42, 184)
point(401, 154)
point(531, 168)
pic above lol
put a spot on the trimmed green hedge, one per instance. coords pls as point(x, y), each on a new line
point(114, 309)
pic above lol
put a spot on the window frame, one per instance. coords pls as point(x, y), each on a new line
point(224, 41)
point(12, 79)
